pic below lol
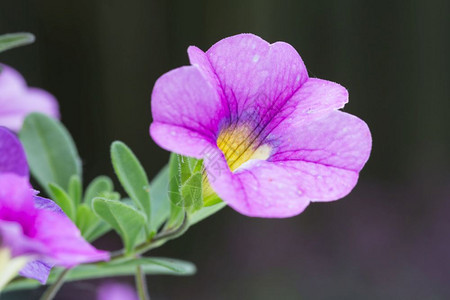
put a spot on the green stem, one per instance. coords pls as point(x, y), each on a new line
point(155, 242)
point(141, 284)
point(51, 291)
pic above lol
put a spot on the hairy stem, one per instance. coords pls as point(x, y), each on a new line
point(141, 284)
point(51, 291)
point(155, 242)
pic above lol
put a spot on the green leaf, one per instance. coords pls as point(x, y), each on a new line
point(75, 189)
point(160, 265)
point(150, 265)
point(97, 231)
point(87, 220)
point(63, 200)
point(160, 199)
point(132, 176)
point(205, 212)
point(12, 40)
point(127, 221)
point(51, 152)
point(191, 192)
point(97, 188)
point(177, 210)
point(184, 167)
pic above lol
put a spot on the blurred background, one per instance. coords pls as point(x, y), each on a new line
point(389, 239)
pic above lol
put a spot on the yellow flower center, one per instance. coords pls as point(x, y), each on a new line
point(239, 146)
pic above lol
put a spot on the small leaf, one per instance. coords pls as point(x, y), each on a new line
point(160, 265)
point(51, 152)
point(12, 40)
point(184, 167)
point(75, 189)
point(127, 221)
point(177, 210)
point(160, 198)
point(191, 192)
point(86, 219)
point(97, 188)
point(150, 265)
point(205, 212)
point(132, 176)
point(63, 200)
point(97, 231)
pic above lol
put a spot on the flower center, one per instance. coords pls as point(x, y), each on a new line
point(239, 146)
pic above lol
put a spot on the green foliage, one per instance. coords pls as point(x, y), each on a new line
point(86, 220)
point(160, 202)
point(150, 265)
point(63, 200)
point(75, 189)
point(205, 212)
point(132, 176)
point(51, 152)
point(191, 191)
point(99, 187)
point(13, 40)
point(97, 230)
point(126, 220)
point(175, 192)
point(177, 210)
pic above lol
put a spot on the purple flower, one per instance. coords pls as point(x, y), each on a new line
point(17, 100)
point(116, 291)
point(32, 226)
point(272, 139)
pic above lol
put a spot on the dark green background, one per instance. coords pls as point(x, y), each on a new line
point(388, 240)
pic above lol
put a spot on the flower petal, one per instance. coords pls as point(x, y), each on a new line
point(12, 155)
point(257, 189)
point(65, 245)
point(337, 140)
point(11, 81)
point(38, 270)
point(257, 78)
point(318, 161)
point(14, 238)
point(47, 204)
point(181, 100)
point(16, 201)
point(314, 98)
point(17, 100)
point(15, 107)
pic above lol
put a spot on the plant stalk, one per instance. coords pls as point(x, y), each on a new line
point(141, 284)
point(51, 291)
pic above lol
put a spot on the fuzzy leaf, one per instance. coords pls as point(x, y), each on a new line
point(160, 198)
point(63, 200)
point(191, 192)
point(177, 210)
point(97, 231)
point(205, 212)
point(97, 188)
point(13, 40)
point(132, 176)
point(51, 152)
point(87, 220)
point(127, 221)
point(75, 189)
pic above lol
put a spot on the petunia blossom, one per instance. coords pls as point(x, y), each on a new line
point(272, 138)
point(35, 227)
point(17, 100)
